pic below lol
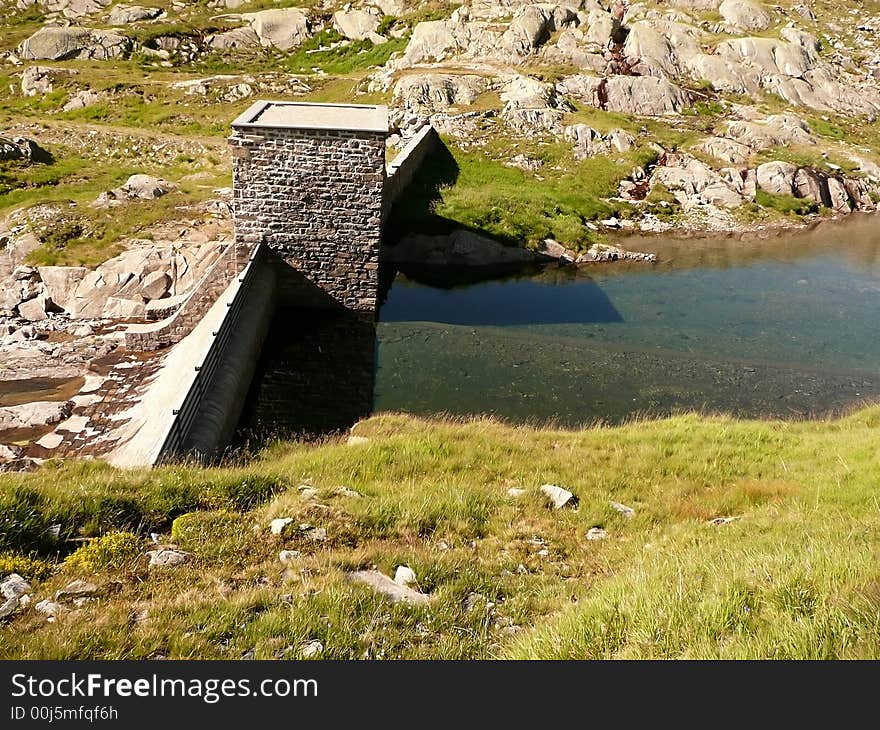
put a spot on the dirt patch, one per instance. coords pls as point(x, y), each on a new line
point(28, 390)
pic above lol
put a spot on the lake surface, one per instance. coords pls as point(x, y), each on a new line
point(785, 327)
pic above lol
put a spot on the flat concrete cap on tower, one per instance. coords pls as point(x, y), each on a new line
point(304, 115)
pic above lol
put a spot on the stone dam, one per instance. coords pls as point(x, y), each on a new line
point(311, 189)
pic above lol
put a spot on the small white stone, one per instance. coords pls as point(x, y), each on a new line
point(49, 608)
point(289, 556)
point(165, 558)
point(279, 523)
point(405, 576)
point(721, 521)
point(315, 534)
point(312, 649)
point(623, 509)
point(515, 492)
point(558, 496)
point(346, 492)
point(596, 533)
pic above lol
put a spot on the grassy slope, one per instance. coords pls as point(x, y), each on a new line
point(795, 576)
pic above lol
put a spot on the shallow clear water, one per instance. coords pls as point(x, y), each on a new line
point(785, 327)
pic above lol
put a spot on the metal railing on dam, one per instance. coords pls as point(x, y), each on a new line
point(185, 414)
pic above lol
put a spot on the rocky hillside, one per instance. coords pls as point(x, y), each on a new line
point(563, 119)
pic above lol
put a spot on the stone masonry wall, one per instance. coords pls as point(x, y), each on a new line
point(315, 198)
point(143, 338)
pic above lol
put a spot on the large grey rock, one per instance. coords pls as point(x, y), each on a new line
point(770, 56)
point(14, 586)
point(78, 588)
point(532, 26)
point(282, 28)
point(137, 187)
point(640, 95)
point(61, 282)
point(433, 40)
point(744, 14)
point(426, 94)
point(70, 9)
point(860, 193)
point(119, 308)
point(8, 607)
point(36, 309)
point(725, 150)
point(37, 80)
point(587, 141)
point(693, 182)
point(57, 44)
point(236, 39)
point(34, 415)
point(840, 200)
point(777, 177)
point(387, 587)
point(125, 14)
point(777, 130)
point(146, 187)
point(812, 185)
point(358, 25)
point(81, 100)
point(155, 285)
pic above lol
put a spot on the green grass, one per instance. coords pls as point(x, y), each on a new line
point(345, 59)
point(786, 204)
point(477, 190)
point(793, 576)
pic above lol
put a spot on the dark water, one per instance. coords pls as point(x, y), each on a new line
point(786, 327)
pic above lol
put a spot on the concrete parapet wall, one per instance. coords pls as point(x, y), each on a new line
point(208, 413)
point(159, 424)
point(401, 170)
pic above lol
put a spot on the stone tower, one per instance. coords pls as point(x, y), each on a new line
point(308, 182)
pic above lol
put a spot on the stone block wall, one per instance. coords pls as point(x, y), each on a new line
point(144, 338)
point(314, 197)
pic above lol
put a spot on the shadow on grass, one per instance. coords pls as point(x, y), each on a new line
point(414, 213)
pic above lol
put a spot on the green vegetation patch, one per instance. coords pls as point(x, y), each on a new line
point(477, 190)
point(345, 58)
point(88, 500)
point(748, 539)
point(113, 551)
point(786, 204)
